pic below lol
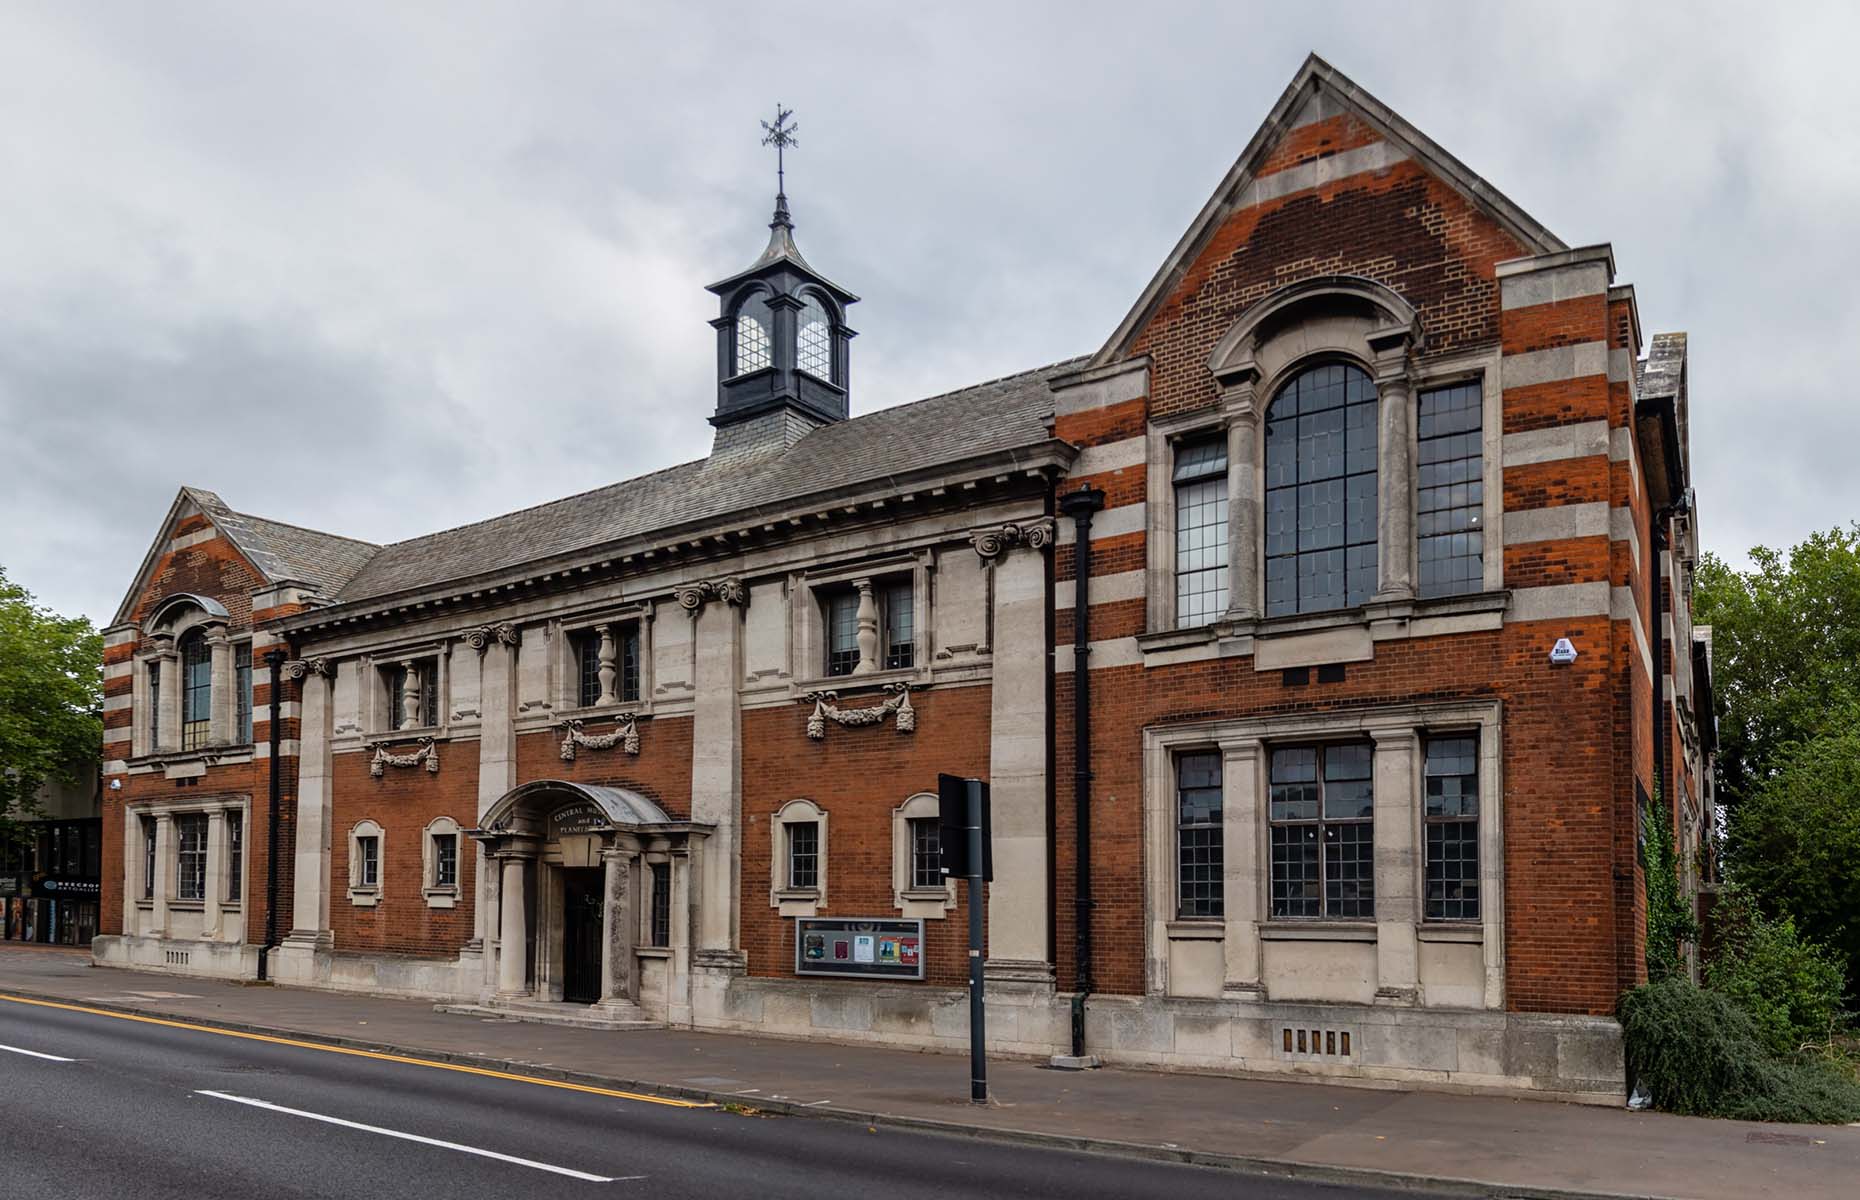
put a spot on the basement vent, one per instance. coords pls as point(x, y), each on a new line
point(1295, 677)
point(177, 958)
point(1331, 673)
point(1315, 1043)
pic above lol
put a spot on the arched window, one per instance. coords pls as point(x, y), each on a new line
point(1321, 491)
point(813, 343)
point(196, 690)
point(754, 326)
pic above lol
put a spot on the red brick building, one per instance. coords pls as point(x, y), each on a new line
point(1385, 618)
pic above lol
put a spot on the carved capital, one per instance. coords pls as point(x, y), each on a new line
point(297, 668)
point(691, 596)
point(503, 633)
point(993, 542)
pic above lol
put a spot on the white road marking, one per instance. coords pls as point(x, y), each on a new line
point(424, 1141)
point(36, 1054)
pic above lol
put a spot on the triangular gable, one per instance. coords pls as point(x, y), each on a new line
point(1316, 82)
point(187, 502)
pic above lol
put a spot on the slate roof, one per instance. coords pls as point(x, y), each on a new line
point(326, 561)
point(1000, 415)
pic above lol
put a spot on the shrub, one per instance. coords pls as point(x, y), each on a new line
point(1696, 1052)
point(1790, 986)
point(1670, 924)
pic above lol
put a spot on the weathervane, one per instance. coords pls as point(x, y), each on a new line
point(781, 136)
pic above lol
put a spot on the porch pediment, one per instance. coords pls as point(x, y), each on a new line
point(554, 806)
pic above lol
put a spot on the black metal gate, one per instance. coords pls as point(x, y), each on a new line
point(582, 904)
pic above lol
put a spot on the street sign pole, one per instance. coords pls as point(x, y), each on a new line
point(978, 1021)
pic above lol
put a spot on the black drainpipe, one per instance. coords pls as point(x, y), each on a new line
point(1080, 506)
point(274, 662)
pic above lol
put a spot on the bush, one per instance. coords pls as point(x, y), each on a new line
point(1697, 1053)
point(1670, 924)
point(1790, 986)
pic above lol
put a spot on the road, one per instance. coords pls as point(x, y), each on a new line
point(96, 1105)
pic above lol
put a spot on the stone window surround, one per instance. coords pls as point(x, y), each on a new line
point(565, 678)
point(929, 903)
point(436, 895)
point(167, 856)
point(360, 895)
point(374, 665)
point(809, 660)
point(1400, 923)
point(796, 902)
point(1248, 387)
point(159, 647)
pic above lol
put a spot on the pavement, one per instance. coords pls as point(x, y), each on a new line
point(1290, 1131)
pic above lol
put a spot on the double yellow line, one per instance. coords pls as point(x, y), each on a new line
point(486, 1072)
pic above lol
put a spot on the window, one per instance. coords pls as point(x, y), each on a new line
point(1198, 835)
point(368, 857)
point(753, 325)
point(1450, 513)
point(813, 343)
point(588, 650)
point(1323, 835)
point(1452, 820)
point(626, 665)
point(242, 688)
point(190, 878)
point(446, 860)
point(407, 708)
point(659, 921)
point(898, 625)
point(148, 858)
point(235, 855)
point(196, 690)
point(1321, 491)
point(842, 611)
point(803, 855)
point(1200, 531)
point(926, 853)
point(154, 730)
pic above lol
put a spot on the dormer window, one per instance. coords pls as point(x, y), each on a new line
point(754, 329)
point(813, 343)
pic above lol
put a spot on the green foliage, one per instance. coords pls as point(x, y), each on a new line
point(1670, 924)
point(1794, 843)
point(1697, 1052)
point(51, 695)
point(1790, 986)
point(1785, 650)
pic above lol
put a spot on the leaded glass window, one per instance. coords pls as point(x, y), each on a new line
point(445, 860)
point(242, 688)
point(842, 631)
point(926, 853)
point(196, 690)
point(1321, 491)
point(1198, 835)
point(803, 854)
point(1450, 514)
point(425, 676)
point(148, 857)
point(754, 325)
point(899, 627)
point(660, 916)
point(1322, 810)
point(368, 855)
point(235, 855)
point(588, 660)
point(629, 664)
point(1451, 816)
point(190, 876)
point(154, 734)
point(813, 343)
point(1200, 531)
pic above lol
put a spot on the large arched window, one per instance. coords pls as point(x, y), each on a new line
point(196, 690)
point(1321, 491)
point(813, 342)
point(754, 328)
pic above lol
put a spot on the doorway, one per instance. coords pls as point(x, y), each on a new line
point(583, 905)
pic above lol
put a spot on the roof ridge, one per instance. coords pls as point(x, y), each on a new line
point(969, 387)
point(341, 537)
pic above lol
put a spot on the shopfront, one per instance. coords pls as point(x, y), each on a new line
point(50, 883)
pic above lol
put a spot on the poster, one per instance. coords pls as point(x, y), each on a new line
point(862, 948)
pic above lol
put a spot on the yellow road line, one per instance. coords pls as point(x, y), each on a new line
point(487, 1072)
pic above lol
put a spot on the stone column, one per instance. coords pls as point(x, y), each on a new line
point(311, 886)
point(132, 869)
point(164, 857)
point(716, 772)
point(216, 871)
point(868, 629)
point(1018, 728)
point(619, 920)
point(1395, 475)
point(1243, 798)
point(512, 939)
point(168, 717)
point(497, 758)
point(1243, 513)
point(490, 905)
point(1396, 815)
point(223, 713)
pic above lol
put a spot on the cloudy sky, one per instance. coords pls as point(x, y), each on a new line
point(387, 268)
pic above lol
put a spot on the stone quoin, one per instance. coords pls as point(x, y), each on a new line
point(1371, 444)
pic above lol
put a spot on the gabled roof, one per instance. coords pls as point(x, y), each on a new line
point(279, 552)
point(1002, 415)
point(1316, 78)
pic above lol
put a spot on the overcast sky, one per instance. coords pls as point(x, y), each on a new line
point(386, 268)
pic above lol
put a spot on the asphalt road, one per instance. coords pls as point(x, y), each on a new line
point(98, 1106)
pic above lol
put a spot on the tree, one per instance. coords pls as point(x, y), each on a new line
point(1785, 651)
point(51, 698)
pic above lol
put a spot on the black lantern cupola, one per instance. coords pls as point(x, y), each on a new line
point(781, 333)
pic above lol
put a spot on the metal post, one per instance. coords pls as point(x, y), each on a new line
point(978, 1021)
